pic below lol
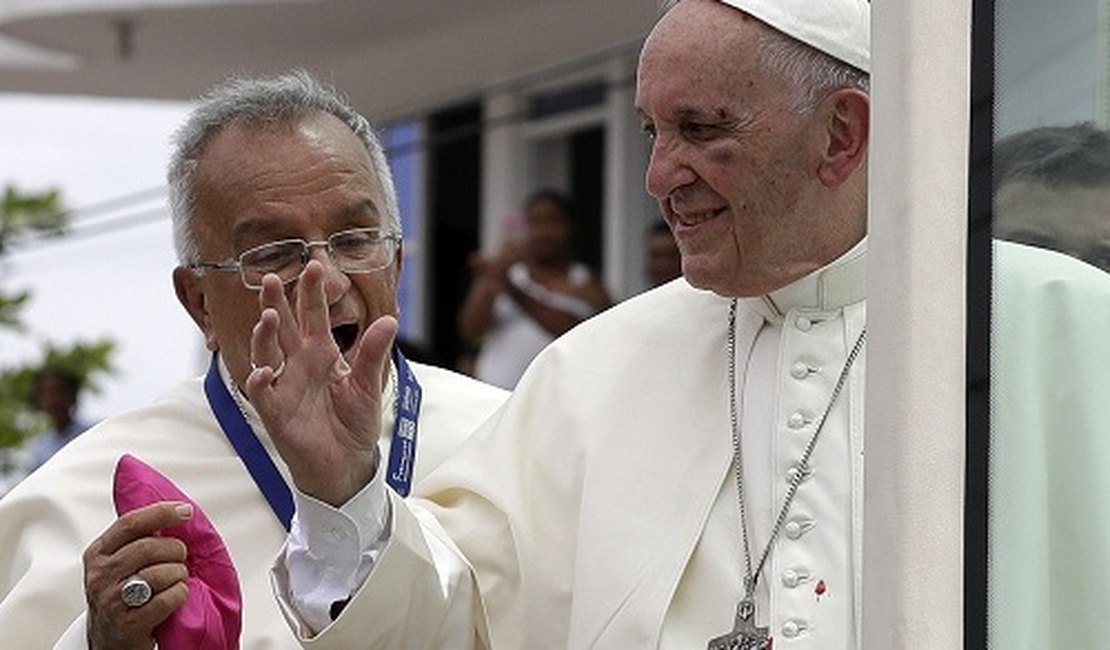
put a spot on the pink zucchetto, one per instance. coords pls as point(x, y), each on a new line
point(211, 616)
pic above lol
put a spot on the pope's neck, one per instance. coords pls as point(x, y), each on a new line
point(833, 286)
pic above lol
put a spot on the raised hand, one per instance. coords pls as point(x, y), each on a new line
point(126, 549)
point(322, 412)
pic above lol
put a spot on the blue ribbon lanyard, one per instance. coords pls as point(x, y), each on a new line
point(269, 480)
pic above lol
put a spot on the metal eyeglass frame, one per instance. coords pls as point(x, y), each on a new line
point(386, 234)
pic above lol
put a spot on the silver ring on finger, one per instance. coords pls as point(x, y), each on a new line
point(136, 592)
point(277, 371)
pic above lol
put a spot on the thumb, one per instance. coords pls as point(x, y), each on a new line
point(373, 353)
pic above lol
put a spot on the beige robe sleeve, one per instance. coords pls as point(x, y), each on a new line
point(422, 587)
point(75, 637)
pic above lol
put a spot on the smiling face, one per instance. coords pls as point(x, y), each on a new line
point(255, 185)
point(734, 168)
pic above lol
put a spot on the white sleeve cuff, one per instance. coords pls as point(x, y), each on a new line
point(331, 551)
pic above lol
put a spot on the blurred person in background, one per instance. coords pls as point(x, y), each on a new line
point(528, 294)
point(278, 188)
point(56, 395)
point(1052, 190)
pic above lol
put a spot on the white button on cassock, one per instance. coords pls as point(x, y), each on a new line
point(796, 421)
point(795, 529)
point(803, 324)
point(791, 629)
point(799, 370)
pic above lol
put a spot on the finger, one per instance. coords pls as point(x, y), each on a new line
point(158, 560)
point(266, 351)
point(272, 296)
point(143, 522)
point(373, 354)
point(312, 304)
point(260, 389)
point(160, 607)
point(144, 552)
point(161, 576)
point(107, 573)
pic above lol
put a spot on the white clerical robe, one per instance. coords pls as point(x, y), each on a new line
point(597, 508)
point(47, 521)
point(1050, 435)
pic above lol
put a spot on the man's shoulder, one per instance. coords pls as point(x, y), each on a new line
point(642, 334)
point(184, 403)
point(443, 384)
point(657, 311)
point(1028, 271)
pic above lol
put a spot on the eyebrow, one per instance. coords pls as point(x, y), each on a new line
point(688, 113)
point(691, 113)
point(355, 214)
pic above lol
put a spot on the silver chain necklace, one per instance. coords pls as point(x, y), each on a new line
point(745, 635)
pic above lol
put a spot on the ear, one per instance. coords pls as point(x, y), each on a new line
point(847, 114)
point(186, 283)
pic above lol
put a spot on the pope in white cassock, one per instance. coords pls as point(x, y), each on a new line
point(685, 470)
point(261, 168)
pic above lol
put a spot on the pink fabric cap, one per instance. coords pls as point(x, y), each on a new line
point(211, 616)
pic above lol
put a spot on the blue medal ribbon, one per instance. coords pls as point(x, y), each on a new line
point(402, 449)
point(261, 467)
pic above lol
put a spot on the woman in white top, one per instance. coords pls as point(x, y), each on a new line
point(529, 293)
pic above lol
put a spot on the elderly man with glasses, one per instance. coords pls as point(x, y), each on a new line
point(277, 188)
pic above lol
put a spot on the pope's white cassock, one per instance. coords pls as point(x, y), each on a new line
point(598, 508)
point(47, 521)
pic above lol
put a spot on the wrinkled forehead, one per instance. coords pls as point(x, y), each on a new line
point(244, 154)
point(700, 43)
point(254, 183)
point(695, 60)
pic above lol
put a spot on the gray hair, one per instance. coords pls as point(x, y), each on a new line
point(812, 73)
point(283, 99)
point(1058, 157)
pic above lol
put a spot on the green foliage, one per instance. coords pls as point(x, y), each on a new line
point(89, 362)
point(9, 309)
point(18, 420)
point(24, 212)
point(21, 214)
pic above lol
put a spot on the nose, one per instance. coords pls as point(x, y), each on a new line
point(336, 282)
point(667, 169)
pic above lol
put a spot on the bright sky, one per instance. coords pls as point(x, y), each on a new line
point(109, 283)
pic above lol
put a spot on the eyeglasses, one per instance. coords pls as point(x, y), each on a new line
point(359, 250)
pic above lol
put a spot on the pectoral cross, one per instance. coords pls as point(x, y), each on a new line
point(744, 635)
